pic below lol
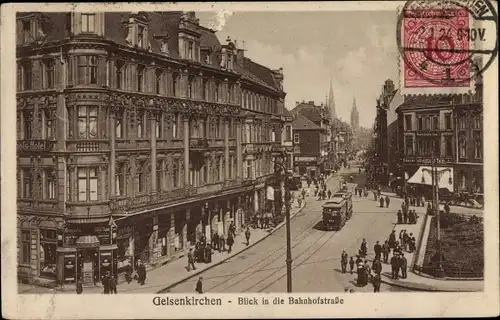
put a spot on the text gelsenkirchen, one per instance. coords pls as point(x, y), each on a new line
point(187, 301)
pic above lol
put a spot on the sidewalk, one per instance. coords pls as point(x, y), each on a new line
point(456, 209)
point(175, 272)
point(418, 282)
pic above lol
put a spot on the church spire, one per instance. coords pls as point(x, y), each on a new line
point(354, 115)
point(331, 101)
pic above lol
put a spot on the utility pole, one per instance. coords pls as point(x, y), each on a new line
point(282, 172)
point(436, 175)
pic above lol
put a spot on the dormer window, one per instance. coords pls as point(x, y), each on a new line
point(164, 46)
point(140, 36)
point(88, 22)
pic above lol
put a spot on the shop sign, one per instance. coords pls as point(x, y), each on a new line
point(427, 160)
point(35, 145)
point(305, 158)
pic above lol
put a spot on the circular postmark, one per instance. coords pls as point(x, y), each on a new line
point(446, 43)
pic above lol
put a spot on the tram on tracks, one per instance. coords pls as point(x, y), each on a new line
point(337, 211)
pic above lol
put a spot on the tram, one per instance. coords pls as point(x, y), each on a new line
point(337, 211)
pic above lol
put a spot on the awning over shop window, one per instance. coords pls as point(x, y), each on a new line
point(423, 176)
point(87, 242)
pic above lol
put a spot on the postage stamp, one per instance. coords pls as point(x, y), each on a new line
point(445, 44)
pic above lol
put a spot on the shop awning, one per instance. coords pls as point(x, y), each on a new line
point(423, 176)
point(87, 242)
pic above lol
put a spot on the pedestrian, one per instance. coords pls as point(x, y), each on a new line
point(385, 250)
point(377, 266)
point(105, 283)
point(199, 285)
point(247, 235)
point(387, 201)
point(376, 282)
point(401, 236)
point(112, 284)
point(79, 287)
point(363, 248)
point(378, 250)
point(215, 241)
point(429, 208)
point(381, 202)
point(361, 274)
point(141, 270)
point(128, 271)
point(222, 241)
point(392, 239)
point(230, 242)
point(374, 195)
point(190, 260)
point(329, 193)
point(400, 217)
point(406, 241)
point(395, 266)
point(368, 272)
point(208, 253)
point(351, 264)
point(343, 261)
point(299, 202)
point(405, 216)
point(403, 264)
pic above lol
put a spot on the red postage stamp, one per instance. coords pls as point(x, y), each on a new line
point(436, 53)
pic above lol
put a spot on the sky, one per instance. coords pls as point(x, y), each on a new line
point(356, 50)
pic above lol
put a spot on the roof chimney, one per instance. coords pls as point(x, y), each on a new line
point(240, 54)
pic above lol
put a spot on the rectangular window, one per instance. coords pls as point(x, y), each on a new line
point(477, 122)
point(191, 87)
point(190, 51)
point(120, 179)
point(217, 88)
point(478, 145)
point(140, 37)
point(273, 135)
point(218, 124)
point(26, 31)
point(175, 78)
point(175, 173)
point(288, 134)
point(408, 122)
point(159, 174)
point(141, 176)
point(27, 76)
point(175, 126)
point(462, 123)
point(93, 69)
point(140, 124)
point(49, 185)
point(462, 145)
point(27, 183)
point(27, 122)
point(119, 74)
point(409, 146)
point(25, 247)
point(205, 89)
point(435, 123)
point(448, 146)
point(158, 128)
point(447, 121)
point(87, 70)
point(158, 81)
point(87, 184)
point(420, 123)
point(248, 169)
point(49, 125)
point(49, 74)
point(48, 246)
point(140, 78)
point(230, 93)
point(88, 22)
point(119, 125)
point(230, 166)
point(87, 122)
point(296, 138)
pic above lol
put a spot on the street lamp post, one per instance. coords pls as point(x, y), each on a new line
point(436, 175)
point(282, 172)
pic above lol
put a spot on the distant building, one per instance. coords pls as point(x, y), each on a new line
point(307, 137)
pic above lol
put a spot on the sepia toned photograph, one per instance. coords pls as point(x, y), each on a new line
point(191, 152)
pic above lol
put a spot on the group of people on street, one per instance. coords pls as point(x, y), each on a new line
point(406, 215)
point(109, 283)
point(361, 191)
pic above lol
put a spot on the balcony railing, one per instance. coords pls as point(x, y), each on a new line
point(198, 144)
point(86, 145)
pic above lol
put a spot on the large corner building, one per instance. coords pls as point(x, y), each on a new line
point(137, 132)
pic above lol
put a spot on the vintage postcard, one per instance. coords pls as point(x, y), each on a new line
point(250, 160)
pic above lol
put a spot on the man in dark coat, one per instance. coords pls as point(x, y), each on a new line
point(376, 282)
point(190, 260)
point(247, 235)
point(343, 261)
point(222, 241)
point(112, 284)
point(230, 242)
point(400, 217)
point(405, 216)
point(199, 285)
point(403, 264)
point(378, 250)
point(128, 272)
point(392, 239)
point(385, 250)
point(351, 264)
point(215, 241)
point(208, 253)
point(377, 266)
point(395, 266)
point(387, 201)
point(381, 200)
point(79, 287)
point(141, 270)
point(105, 283)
